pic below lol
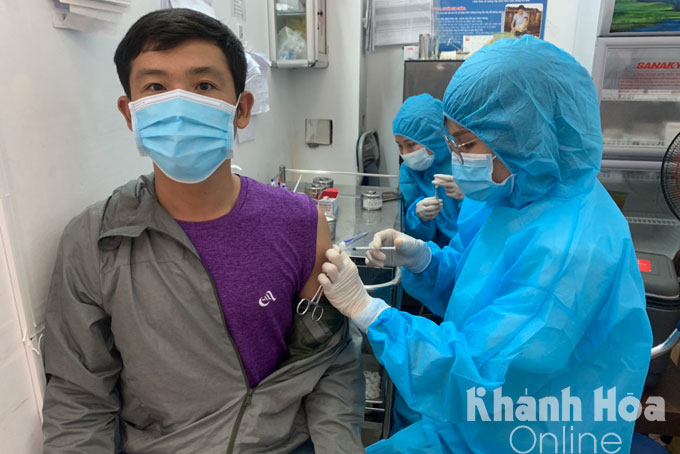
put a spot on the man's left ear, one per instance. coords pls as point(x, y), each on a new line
point(124, 109)
point(245, 106)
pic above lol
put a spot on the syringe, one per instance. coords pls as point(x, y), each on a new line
point(344, 243)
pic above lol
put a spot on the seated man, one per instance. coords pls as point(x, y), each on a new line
point(171, 312)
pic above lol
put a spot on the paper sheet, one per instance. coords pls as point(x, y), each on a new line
point(256, 81)
point(475, 42)
point(401, 21)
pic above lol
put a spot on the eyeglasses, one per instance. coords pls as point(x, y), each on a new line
point(456, 148)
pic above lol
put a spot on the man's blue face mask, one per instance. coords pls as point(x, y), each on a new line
point(474, 178)
point(187, 135)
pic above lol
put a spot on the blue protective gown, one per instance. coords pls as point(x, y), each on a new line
point(546, 295)
point(471, 217)
point(421, 119)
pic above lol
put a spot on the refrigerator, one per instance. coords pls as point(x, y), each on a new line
point(636, 72)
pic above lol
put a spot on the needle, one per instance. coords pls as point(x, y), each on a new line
point(343, 244)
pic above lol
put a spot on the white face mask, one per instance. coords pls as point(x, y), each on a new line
point(418, 160)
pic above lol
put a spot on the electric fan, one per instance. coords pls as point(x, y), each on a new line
point(670, 186)
point(670, 176)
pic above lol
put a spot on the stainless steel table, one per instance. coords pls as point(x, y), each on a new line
point(352, 219)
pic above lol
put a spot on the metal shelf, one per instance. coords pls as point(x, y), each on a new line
point(616, 177)
point(635, 142)
point(641, 96)
point(652, 221)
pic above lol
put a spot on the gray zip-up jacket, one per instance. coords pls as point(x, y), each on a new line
point(135, 330)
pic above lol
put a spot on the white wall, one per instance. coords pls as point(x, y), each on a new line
point(587, 29)
point(331, 93)
point(570, 24)
point(19, 406)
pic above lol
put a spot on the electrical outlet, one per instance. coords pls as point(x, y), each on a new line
point(318, 132)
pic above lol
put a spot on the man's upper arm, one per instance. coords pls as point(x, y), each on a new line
point(323, 243)
point(335, 408)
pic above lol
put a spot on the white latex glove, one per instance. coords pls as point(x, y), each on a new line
point(410, 252)
point(449, 184)
point(428, 208)
point(342, 285)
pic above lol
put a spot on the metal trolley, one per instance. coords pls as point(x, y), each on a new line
point(378, 417)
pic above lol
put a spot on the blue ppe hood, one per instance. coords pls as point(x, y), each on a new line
point(421, 119)
point(536, 108)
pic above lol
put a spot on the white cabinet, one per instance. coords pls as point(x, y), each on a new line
point(297, 33)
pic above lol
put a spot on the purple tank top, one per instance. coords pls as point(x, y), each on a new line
point(259, 255)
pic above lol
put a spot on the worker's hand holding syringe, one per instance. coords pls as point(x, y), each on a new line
point(340, 277)
point(408, 251)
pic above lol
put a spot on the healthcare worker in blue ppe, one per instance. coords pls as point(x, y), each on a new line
point(431, 197)
point(545, 341)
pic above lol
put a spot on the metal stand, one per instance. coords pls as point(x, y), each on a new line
point(378, 416)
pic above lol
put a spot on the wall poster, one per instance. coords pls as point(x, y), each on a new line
point(466, 25)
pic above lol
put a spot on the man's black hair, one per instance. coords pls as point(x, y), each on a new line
point(166, 29)
point(520, 7)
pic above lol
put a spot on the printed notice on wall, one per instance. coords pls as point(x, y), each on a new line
point(238, 9)
point(401, 21)
point(468, 24)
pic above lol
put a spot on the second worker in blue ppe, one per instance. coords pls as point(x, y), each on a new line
point(431, 197)
point(544, 303)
